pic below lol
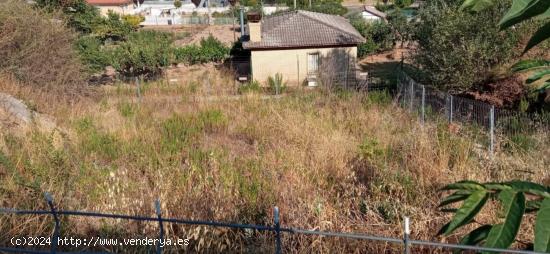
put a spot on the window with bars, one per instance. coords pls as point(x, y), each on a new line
point(313, 62)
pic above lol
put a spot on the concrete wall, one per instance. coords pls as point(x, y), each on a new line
point(370, 17)
point(292, 63)
point(122, 10)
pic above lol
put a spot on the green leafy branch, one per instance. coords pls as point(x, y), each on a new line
point(520, 11)
point(516, 198)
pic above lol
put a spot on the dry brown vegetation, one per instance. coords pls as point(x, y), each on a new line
point(340, 161)
point(36, 49)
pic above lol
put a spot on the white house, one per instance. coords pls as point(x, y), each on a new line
point(372, 14)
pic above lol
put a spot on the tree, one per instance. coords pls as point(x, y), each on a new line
point(402, 3)
point(458, 50)
point(398, 22)
point(521, 11)
point(516, 198)
point(379, 35)
point(143, 53)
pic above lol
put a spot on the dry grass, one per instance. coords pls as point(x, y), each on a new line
point(36, 48)
point(331, 161)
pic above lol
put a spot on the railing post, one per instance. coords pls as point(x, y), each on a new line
point(450, 108)
point(277, 230)
point(161, 235)
point(492, 129)
point(138, 89)
point(55, 236)
point(423, 103)
point(411, 94)
point(406, 235)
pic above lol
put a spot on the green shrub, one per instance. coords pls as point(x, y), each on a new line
point(443, 27)
point(92, 53)
point(208, 50)
point(127, 109)
point(95, 141)
point(383, 7)
point(276, 84)
point(177, 132)
point(403, 3)
point(329, 7)
point(378, 98)
point(379, 35)
point(144, 53)
point(250, 87)
point(113, 27)
point(212, 120)
point(133, 20)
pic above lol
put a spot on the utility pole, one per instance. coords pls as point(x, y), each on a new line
point(209, 13)
point(242, 22)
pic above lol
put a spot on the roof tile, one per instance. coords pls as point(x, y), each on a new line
point(305, 29)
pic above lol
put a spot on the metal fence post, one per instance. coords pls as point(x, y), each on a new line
point(277, 230)
point(423, 103)
point(406, 235)
point(161, 235)
point(492, 129)
point(138, 87)
point(450, 108)
point(411, 94)
point(55, 236)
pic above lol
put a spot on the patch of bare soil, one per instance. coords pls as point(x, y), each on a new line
point(387, 56)
point(505, 92)
point(194, 33)
point(224, 33)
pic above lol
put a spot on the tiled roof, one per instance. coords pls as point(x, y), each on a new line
point(375, 12)
point(295, 29)
point(108, 2)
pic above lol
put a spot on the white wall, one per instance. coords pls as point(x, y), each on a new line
point(369, 16)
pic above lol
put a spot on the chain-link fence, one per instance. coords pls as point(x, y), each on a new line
point(495, 125)
point(52, 244)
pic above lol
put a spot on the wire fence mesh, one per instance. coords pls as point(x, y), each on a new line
point(275, 228)
point(497, 126)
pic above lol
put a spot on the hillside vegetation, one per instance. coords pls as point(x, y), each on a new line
point(331, 161)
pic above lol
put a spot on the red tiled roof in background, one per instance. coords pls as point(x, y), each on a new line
point(109, 2)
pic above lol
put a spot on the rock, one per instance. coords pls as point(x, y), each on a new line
point(15, 108)
point(17, 119)
point(110, 71)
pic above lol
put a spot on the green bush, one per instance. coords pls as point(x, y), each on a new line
point(329, 7)
point(113, 28)
point(209, 50)
point(402, 3)
point(92, 53)
point(380, 36)
point(250, 87)
point(144, 53)
point(383, 7)
point(458, 49)
point(276, 84)
point(212, 120)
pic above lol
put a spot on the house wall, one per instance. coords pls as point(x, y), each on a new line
point(291, 63)
point(122, 10)
point(369, 16)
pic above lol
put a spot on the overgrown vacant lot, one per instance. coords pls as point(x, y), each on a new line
point(339, 161)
